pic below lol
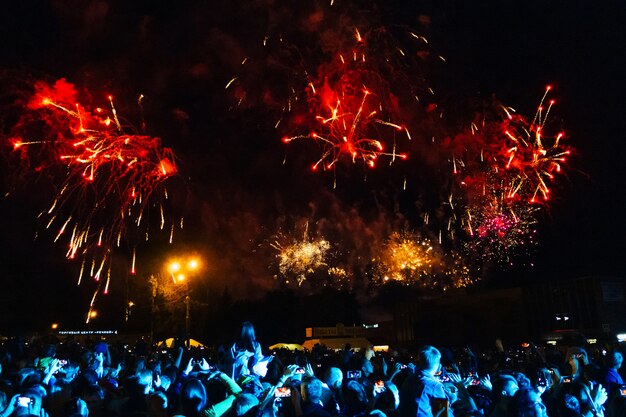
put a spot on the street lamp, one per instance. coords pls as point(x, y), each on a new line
point(179, 270)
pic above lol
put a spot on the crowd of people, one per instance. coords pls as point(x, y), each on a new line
point(72, 379)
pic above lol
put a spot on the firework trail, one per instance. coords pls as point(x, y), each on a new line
point(108, 179)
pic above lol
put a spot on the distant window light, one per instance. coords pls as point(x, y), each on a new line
point(592, 341)
point(621, 337)
point(564, 317)
point(551, 342)
point(371, 326)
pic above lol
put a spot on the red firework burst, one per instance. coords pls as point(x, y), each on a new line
point(108, 178)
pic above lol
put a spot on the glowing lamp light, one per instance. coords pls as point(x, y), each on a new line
point(174, 267)
point(193, 264)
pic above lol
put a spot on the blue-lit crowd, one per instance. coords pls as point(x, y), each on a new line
point(73, 378)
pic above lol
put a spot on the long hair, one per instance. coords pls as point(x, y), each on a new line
point(193, 397)
point(247, 337)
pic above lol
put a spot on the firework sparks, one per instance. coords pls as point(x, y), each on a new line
point(500, 231)
point(300, 258)
point(352, 99)
point(532, 154)
point(344, 123)
point(503, 169)
point(415, 261)
point(522, 154)
point(109, 178)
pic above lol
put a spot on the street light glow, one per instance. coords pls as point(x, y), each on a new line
point(193, 264)
point(174, 267)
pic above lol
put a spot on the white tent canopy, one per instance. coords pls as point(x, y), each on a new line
point(339, 343)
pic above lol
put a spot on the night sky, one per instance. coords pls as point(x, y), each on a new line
point(239, 185)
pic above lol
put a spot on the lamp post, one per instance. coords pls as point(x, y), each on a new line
point(180, 270)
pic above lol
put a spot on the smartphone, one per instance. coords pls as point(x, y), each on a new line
point(566, 379)
point(443, 377)
point(622, 390)
point(379, 386)
point(24, 401)
point(62, 362)
point(282, 392)
point(300, 370)
point(353, 374)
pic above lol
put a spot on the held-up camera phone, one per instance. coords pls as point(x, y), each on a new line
point(442, 376)
point(622, 390)
point(542, 382)
point(300, 370)
point(353, 374)
point(24, 401)
point(62, 362)
point(566, 379)
point(282, 392)
point(379, 387)
point(475, 380)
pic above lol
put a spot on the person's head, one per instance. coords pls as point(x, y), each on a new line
point(577, 353)
point(574, 396)
point(244, 403)
point(526, 403)
point(388, 399)
point(215, 391)
point(354, 395)
point(3, 400)
point(192, 397)
point(49, 351)
point(311, 390)
point(429, 359)
point(364, 365)
point(247, 332)
point(27, 377)
point(542, 380)
point(615, 360)
point(144, 379)
point(166, 382)
point(251, 385)
point(93, 395)
point(76, 407)
point(504, 386)
point(333, 377)
point(157, 404)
